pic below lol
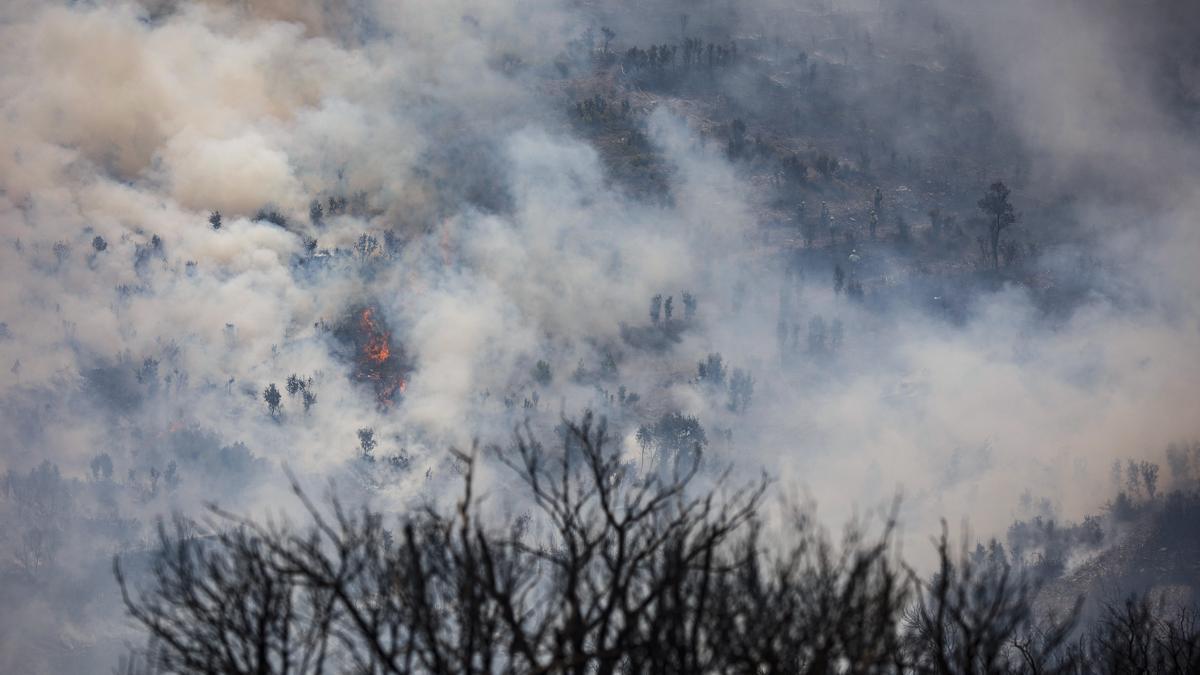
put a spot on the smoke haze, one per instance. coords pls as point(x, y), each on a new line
point(461, 198)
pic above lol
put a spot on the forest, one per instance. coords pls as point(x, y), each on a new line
point(599, 336)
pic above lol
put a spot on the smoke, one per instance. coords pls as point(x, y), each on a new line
point(455, 194)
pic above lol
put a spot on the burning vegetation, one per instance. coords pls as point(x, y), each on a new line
point(378, 344)
point(367, 339)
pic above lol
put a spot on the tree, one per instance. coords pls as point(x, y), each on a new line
point(450, 594)
point(607, 572)
point(365, 246)
point(367, 443)
point(273, 398)
point(62, 250)
point(304, 387)
point(741, 390)
point(808, 230)
point(1010, 252)
point(816, 335)
point(737, 138)
point(827, 166)
point(542, 373)
point(223, 606)
point(38, 507)
point(214, 219)
point(839, 278)
point(1149, 471)
point(102, 467)
point(1183, 460)
point(681, 442)
point(608, 35)
point(1000, 215)
point(689, 306)
point(645, 438)
point(1138, 637)
point(271, 215)
point(976, 616)
point(656, 308)
point(794, 169)
point(711, 371)
point(316, 214)
point(294, 384)
point(645, 441)
point(668, 308)
point(98, 244)
point(608, 367)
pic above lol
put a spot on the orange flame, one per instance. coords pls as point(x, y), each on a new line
point(376, 361)
point(386, 394)
point(378, 346)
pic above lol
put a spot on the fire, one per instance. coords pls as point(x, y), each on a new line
point(378, 346)
point(378, 361)
point(178, 425)
point(386, 392)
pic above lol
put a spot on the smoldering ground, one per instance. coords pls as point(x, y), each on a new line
point(452, 193)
